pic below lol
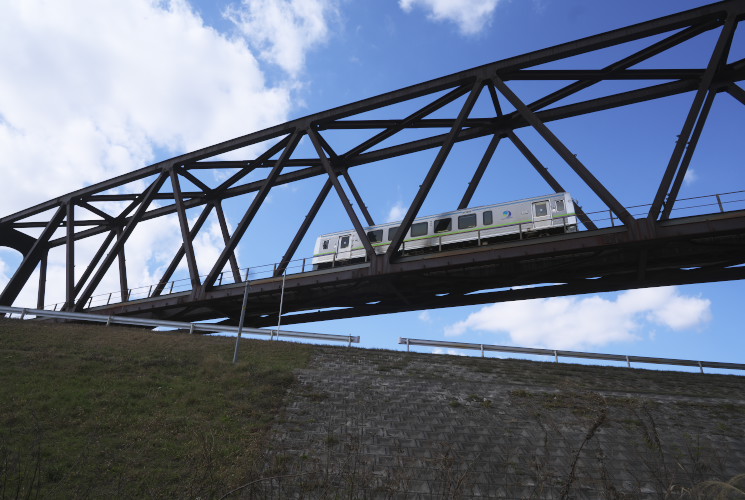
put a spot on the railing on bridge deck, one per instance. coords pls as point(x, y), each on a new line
point(722, 201)
point(569, 354)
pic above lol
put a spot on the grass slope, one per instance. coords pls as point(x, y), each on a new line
point(95, 411)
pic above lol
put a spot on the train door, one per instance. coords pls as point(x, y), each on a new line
point(344, 247)
point(541, 214)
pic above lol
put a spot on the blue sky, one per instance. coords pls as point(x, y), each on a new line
point(92, 89)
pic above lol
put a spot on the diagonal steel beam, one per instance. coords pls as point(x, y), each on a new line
point(94, 261)
point(718, 57)
point(625, 63)
point(358, 197)
point(736, 92)
point(119, 245)
point(180, 252)
point(317, 143)
point(434, 170)
point(408, 121)
point(550, 179)
point(31, 259)
point(253, 164)
point(194, 180)
point(191, 260)
point(686, 161)
point(564, 152)
point(242, 226)
point(226, 238)
point(473, 184)
point(304, 227)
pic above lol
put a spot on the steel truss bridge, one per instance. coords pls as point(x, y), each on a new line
point(655, 248)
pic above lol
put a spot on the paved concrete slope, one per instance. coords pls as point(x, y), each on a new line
point(383, 424)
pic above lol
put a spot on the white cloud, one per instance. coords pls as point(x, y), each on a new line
point(425, 317)
point(92, 89)
point(396, 212)
point(283, 30)
point(690, 177)
point(471, 16)
point(451, 352)
point(572, 323)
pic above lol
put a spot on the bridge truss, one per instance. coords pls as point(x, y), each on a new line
point(654, 249)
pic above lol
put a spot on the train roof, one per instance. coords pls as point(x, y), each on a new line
point(445, 214)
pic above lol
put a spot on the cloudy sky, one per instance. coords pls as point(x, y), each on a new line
point(93, 89)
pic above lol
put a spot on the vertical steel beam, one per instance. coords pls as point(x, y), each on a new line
point(304, 227)
point(718, 56)
point(316, 140)
point(226, 238)
point(122, 261)
point(70, 256)
point(191, 260)
point(576, 165)
point(41, 291)
point(31, 259)
point(180, 253)
point(479, 172)
point(543, 172)
point(240, 230)
point(118, 248)
point(686, 161)
point(434, 170)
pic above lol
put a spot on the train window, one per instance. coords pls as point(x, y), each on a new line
point(487, 218)
point(541, 210)
point(375, 236)
point(467, 221)
point(418, 229)
point(325, 244)
point(443, 225)
point(392, 232)
point(560, 205)
point(344, 241)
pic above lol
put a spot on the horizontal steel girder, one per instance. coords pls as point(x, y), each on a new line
point(691, 250)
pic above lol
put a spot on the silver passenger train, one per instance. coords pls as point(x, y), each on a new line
point(553, 213)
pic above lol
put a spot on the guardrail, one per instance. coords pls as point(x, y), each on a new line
point(570, 354)
point(192, 327)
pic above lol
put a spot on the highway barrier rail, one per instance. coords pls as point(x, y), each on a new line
point(569, 354)
point(191, 327)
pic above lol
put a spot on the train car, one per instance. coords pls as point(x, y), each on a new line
point(530, 217)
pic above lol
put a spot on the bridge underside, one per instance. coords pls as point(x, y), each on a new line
point(691, 250)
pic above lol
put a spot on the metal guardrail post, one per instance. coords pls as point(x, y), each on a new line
point(482, 350)
point(108, 301)
point(556, 356)
point(628, 363)
point(719, 201)
point(701, 367)
point(303, 268)
point(520, 230)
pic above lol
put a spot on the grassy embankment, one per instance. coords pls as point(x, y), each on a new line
point(91, 411)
